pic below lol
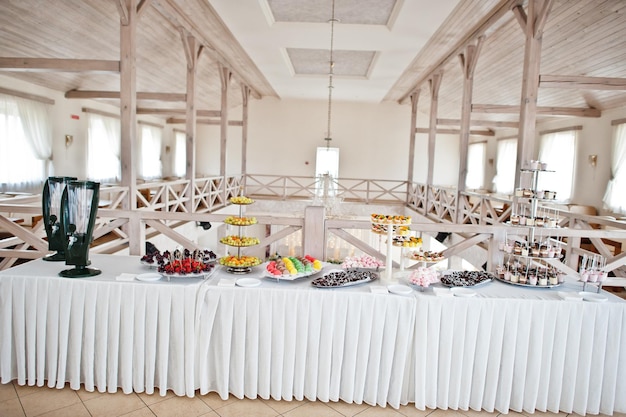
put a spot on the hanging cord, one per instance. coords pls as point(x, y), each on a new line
point(331, 65)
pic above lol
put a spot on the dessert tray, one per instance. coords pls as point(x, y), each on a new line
point(465, 278)
point(158, 260)
point(292, 268)
point(340, 278)
point(204, 274)
point(537, 285)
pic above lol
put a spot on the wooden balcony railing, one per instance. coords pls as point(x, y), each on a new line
point(162, 207)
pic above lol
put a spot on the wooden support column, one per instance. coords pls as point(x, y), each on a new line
point(532, 24)
point(245, 98)
point(128, 119)
point(415, 95)
point(192, 52)
point(468, 60)
point(225, 76)
point(435, 83)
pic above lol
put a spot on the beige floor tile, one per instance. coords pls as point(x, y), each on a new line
point(44, 400)
point(379, 412)
point(7, 392)
point(75, 410)
point(482, 413)
point(448, 413)
point(86, 395)
point(142, 412)
point(346, 409)
point(283, 406)
point(11, 408)
point(213, 400)
point(180, 406)
point(150, 399)
point(23, 390)
point(410, 410)
point(110, 405)
point(317, 409)
point(247, 408)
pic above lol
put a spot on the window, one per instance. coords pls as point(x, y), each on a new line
point(506, 158)
point(25, 143)
point(326, 171)
point(614, 197)
point(180, 154)
point(150, 165)
point(476, 165)
point(558, 150)
point(103, 148)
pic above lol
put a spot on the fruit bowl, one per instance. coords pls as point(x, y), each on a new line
point(239, 241)
point(242, 200)
point(239, 264)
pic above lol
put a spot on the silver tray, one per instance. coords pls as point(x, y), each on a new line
point(479, 284)
point(529, 285)
point(373, 277)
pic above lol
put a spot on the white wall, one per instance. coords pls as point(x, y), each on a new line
point(283, 136)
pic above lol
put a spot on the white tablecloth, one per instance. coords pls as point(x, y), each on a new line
point(96, 331)
point(507, 348)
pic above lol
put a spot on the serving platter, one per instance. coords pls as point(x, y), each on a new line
point(340, 278)
point(529, 285)
point(465, 279)
point(203, 274)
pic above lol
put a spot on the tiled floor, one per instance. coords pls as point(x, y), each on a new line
point(18, 401)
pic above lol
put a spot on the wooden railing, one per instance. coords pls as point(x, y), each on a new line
point(162, 208)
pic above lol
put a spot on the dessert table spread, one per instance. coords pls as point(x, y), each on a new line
point(499, 347)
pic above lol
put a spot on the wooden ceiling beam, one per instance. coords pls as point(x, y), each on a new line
point(60, 65)
point(582, 83)
point(173, 13)
point(544, 111)
point(487, 132)
point(93, 94)
point(176, 121)
point(495, 14)
point(478, 123)
point(201, 113)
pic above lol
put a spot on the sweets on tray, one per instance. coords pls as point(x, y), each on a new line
point(465, 278)
point(423, 276)
point(292, 266)
point(344, 278)
point(362, 261)
point(407, 241)
point(426, 256)
point(390, 219)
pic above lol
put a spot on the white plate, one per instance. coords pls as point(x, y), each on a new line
point(149, 276)
point(399, 289)
point(592, 296)
point(248, 282)
point(462, 292)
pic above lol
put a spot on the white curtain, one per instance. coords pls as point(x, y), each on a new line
point(506, 157)
point(150, 165)
point(103, 152)
point(37, 129)
point(21, 169)
point(558, 150)
point(615, 197)
point(180, 154)
point(475, 165)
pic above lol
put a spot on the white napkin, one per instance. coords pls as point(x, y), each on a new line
point(125, 277)
point(227, 282)
point(570, 296)
point(379, 289)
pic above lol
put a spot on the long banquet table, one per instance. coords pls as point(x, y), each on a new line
point(506, 349)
